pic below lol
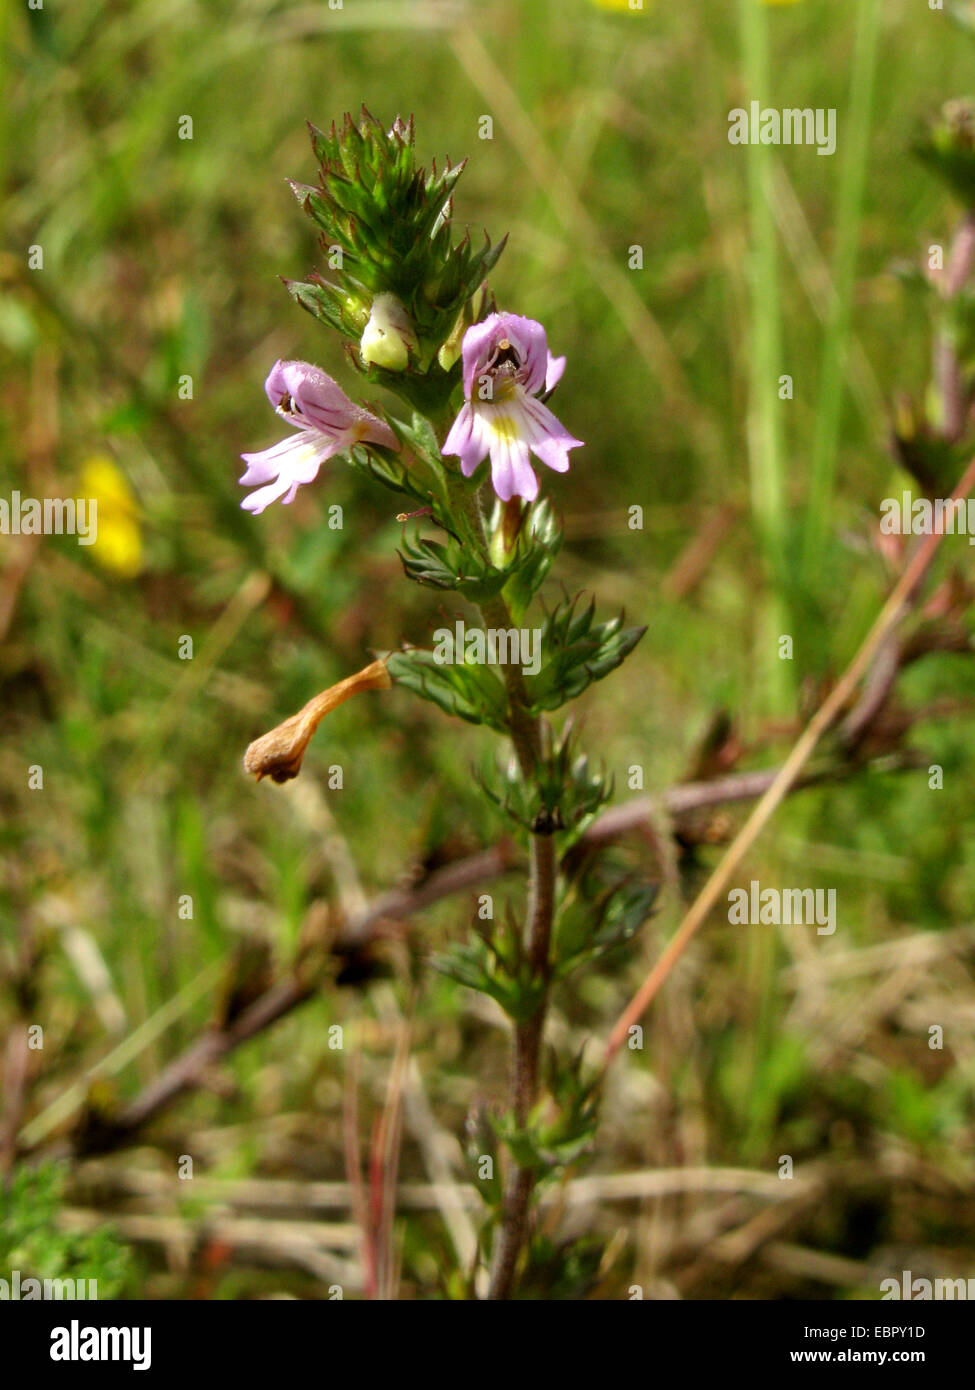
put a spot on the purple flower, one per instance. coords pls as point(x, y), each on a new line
point(326, 423)
point(508, 360)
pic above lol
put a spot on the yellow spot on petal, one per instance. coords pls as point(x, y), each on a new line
point(504, 426)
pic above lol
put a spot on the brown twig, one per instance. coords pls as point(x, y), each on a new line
point(14, 1081)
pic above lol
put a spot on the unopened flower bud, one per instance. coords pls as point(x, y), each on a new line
point(356, 310)
point(448, 354)
point(506, 523)
point(389, 336)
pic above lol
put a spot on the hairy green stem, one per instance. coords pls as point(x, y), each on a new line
point(526, 737)
point(526, 1058)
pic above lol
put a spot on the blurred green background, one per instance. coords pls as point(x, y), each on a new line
point(161, 259)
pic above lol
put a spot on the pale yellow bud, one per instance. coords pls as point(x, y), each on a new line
point(448, 354)
point(389, 336)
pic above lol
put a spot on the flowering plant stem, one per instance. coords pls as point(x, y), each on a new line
point(525, 1065)
point(526, 739)
point(422, 324)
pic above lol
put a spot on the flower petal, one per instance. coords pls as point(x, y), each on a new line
point(528, 339)
point(480, 340)
point(314, 400)
point(256, 501)
point(467, 439)
point(264, 466)
point(511, 472)
point(285, 466)
point(553, 372)
point(548, 437)
point(365, 426)
point(315, 396)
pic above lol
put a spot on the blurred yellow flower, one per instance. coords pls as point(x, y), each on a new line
point(634, 6)
point(118, 542)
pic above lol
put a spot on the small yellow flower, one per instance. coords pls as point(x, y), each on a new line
point(118, 542)
point(633, 6)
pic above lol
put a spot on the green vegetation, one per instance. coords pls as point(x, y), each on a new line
point(149, 891)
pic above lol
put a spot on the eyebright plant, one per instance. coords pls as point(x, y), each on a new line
point(420, 321)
